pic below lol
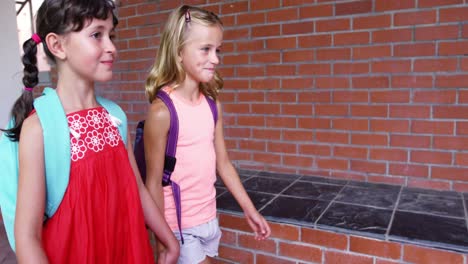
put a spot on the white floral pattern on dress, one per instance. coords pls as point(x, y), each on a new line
point(96, 129)
point(95, 119)
point(77, 123)
point(111, 136)
point(95, 141)
point(78, 149)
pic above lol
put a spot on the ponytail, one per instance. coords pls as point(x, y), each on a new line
point(24, 104)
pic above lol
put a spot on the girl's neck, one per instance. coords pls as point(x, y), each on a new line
point(76, 95)
point(188, 90)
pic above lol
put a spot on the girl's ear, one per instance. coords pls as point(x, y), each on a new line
point(55, 45)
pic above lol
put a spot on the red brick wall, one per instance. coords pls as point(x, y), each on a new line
point(368, 90)
point(292, 244)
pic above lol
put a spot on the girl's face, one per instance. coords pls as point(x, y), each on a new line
point(199, 56)
point(90, 53)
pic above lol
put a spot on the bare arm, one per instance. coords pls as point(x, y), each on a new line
point(154, 217)
point(231, 179)
point(31, 194)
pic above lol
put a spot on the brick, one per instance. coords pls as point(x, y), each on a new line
point(432, 127)
point(462, 128)
point(460, 187)
point(350, 97)
point(265, 31)
point(449, 173)
point(428, 184)
point(435, 97)
point(392, 35)
point(316, 11)
point(435, 65)
point(281, 43)
point(334, 164)
point(252, 45)
point(369, 139)
point(315, 69)
point(461, 159)
point(299, 110)
point(264, 84)
point(432, 157)
point(388, 154)
point(436, 33)
point(298, 28)
point(331, 110)
point(250, 18)
point(391, 66)
point(314, 149)
point(331, 83)
point(315, 97)
point(350, 152)
point(251, 121)
point(283, 14)
point(410, 141)
point(433, 3)
point(450, 112)
point(267, 158)
point(288, 148)
point(324, 238)
point(334, 54)
point(453, 48)
point(355, 7)
point(369, 52)
point(234, 7)
point(234, 254)
point(408, 170)
point(353, 38)
point(412, 81)
point(343, 257)
point(453, 14)
point(301, 252)
point(264, 259)
point(420, 255)
point(414, 50)
point(371, 82)
point(250, 71)
point(450, 142)
point(266, 133)
point(330, 25)
point(249, 241)
point(390, 97)
point(263, 5)
point(298, 161)
point(314, 123)
point(350, 124)
point(252, 145)
point(332, 137)
point(283, 122)
point(266, 57)
point(295, 56)
point(375, 247)
point(350, 68)
point(236, 34)
point(385, 5)
point(297, 83)
point(410, 111)
point(301, 135)
point(415, 18)
point(369, 110)
point(317, 40)
point(370, 22)
point(280, 70)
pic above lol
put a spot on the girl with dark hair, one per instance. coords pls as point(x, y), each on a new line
point(101, 217)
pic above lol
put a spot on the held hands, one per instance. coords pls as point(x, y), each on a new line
point(170, 254)
point(258, 224)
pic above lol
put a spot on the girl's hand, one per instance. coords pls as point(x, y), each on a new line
point(258, 224)
point(168, 256)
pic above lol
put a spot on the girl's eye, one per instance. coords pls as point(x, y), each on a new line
point(96, 35)
point(218, 51)
point(206, 49)
point(112, 37)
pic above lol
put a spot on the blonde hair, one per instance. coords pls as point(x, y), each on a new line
point(167, 69)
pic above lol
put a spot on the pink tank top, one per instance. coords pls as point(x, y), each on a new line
point(195, 170)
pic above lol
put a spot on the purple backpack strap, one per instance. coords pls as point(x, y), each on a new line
point(171, 146)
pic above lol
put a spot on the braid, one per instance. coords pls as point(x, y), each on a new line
point(24, 104)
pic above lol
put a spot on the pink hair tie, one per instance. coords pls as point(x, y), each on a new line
point(36, 38)
point(29, 89)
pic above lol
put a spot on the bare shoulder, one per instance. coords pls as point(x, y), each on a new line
point(31, 129)
point(158, 115)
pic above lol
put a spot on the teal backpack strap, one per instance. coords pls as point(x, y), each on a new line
point(8, 182)
point(56, 147)
point(116, 112)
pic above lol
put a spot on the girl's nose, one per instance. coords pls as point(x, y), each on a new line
point(215, 58)
point(110, 46)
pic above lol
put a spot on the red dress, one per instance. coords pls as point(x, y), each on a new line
point(100, 219)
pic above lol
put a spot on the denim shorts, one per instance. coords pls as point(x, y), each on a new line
point(199, 242)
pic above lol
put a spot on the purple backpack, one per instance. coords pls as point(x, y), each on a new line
point(169, 159)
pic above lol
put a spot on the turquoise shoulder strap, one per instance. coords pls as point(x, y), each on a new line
point(115, 111)
point(8, 182)
point(56, 156)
